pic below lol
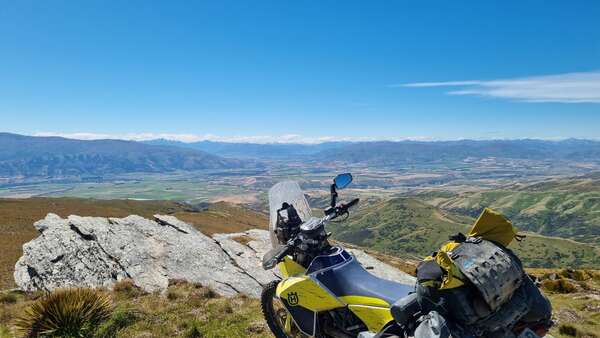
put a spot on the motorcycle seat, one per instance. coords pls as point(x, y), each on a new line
point(351, 279)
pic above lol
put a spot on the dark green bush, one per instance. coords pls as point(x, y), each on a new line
point(567, 330)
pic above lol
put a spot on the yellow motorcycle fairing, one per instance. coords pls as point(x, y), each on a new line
point(305, 292)
point(304, 296)
point(288, 267)
point(375, 318)
point(374, 312)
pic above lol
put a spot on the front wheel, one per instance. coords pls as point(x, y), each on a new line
point(278, 318)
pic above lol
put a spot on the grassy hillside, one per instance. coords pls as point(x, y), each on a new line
point(190, 310)
point(409, 227)
point(567, 208)
point(18, 215)
point(185, 310)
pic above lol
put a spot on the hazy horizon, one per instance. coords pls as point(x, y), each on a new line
point(269, 139)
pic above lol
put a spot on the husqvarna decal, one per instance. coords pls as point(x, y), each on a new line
point(292, 298)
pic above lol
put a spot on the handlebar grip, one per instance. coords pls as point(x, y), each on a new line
point(352, 203)
point(283, 253)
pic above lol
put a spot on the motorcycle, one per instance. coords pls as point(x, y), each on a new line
point(324, 291)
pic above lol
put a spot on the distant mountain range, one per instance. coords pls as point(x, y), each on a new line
point(405, 152)
point(254, 150)
point(412, 152)
point(29, 156)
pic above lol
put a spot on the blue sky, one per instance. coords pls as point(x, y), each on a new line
point(301, 70)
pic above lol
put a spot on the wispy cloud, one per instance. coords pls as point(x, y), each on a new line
point(566, 88)
point(262, 139)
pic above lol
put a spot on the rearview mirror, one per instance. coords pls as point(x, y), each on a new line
point(342, 180)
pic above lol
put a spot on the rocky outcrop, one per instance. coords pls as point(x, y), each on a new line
point(96, 251)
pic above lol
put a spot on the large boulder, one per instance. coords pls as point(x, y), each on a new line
point(97, 251)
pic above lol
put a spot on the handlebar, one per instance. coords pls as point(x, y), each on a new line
point(352, 203)
point(342, 209)
point(283, 253)
point(275, 255)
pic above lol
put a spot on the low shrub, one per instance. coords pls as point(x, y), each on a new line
point(206, 293)
point(65, 313)
point(577, 275)
point(174, 294)
point(559, 286)
point(193, 329)
point(572, 331)
point(567, 330)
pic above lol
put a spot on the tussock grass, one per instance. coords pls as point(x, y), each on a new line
point(65, 313)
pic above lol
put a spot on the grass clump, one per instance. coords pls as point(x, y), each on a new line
point(127, 289)
point(4, 332)
point(65, 313)
point(121, 318)
point(8, 298)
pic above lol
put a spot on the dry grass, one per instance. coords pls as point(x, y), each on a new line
point(224, 218)
point(242, 239)
point(18, 215)
point(575, 297)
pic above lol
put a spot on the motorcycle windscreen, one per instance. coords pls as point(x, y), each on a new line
point(290, 193)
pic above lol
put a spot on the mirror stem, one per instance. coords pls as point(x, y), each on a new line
point(334, 196)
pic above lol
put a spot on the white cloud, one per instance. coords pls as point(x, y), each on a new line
point(262, 139)
point(566, 88)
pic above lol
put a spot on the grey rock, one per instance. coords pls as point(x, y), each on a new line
point(97, 251)
point(244, 255)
